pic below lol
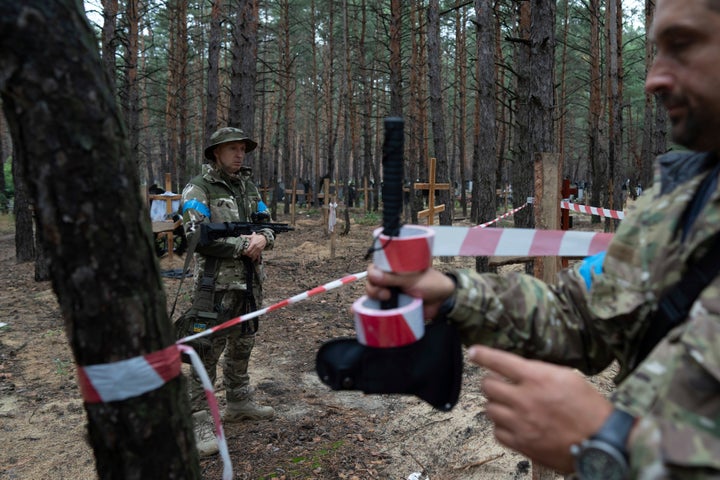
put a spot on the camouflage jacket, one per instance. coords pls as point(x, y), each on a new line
point(214, 197)
point(586, 324)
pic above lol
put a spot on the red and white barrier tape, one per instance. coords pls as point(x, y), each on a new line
point(214, 409)
point(111, 382)
point(289, 301)
point(505, 215)
point(485, 242)
point(602, 212)
point(410, 251)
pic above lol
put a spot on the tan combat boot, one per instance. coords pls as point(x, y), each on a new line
point(247, 410)
point(204, 434)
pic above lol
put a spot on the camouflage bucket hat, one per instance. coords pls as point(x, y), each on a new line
point(225, 135)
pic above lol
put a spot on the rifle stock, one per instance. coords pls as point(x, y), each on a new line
point(214, 231)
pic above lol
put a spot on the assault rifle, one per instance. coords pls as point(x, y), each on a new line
point(213, 231)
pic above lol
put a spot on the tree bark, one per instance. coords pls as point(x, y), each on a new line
point(244, 65)
point(437, 111)
point(109, 39)
point(213, 70)
point(597, 170)
point(96, 229)
point(22, 208)
point(485, 155)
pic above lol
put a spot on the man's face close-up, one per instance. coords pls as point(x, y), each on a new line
point(230, 156)
point(686, 72)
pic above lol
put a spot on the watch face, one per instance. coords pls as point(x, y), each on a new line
point(599, 463)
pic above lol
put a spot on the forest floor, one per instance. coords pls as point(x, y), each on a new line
point(317, 433)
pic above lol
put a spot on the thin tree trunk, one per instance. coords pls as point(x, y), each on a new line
point(597, 172)
point(461, 69)
point(22, 208)
point(130, 89)
point(109, 40)
point(181, 175)
point(615, 170)
point(437, 110)
point(485, 155)
point(171, 102)
point(244, 66)
point(522, 168)
point(396, 103)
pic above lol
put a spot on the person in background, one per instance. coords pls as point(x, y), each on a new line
point(224, 192)
point(663, 419)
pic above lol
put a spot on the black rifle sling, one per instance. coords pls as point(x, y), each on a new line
point(203, 298)
point(203, 301)
point(251, 305)
point(675, 305)
point(192, 244)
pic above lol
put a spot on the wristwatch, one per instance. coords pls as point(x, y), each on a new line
point(604, 455)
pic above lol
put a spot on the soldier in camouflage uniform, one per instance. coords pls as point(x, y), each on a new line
point(224, 192)
point(522, 329)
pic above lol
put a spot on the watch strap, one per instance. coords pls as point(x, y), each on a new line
point(616, 430)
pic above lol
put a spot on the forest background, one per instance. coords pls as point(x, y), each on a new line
point(482, 85)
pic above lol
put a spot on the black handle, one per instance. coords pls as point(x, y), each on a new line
point(392, 175)
point(392, 186)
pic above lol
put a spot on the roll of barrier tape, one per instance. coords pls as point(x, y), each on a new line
point(389, 328)
point(411, 251)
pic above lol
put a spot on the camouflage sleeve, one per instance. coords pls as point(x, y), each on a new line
point(521, 314)
point(269, 238)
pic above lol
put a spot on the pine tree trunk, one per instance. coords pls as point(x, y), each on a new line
point(485, 156)
point(437, 111)
point(22, 208)
point(213, 70)
point(95, 229)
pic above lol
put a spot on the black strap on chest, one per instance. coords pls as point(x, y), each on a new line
point(675, 304)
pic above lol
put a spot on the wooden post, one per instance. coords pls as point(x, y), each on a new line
point(166, 228)
point(263, 194)
point(566, 191)
point(325, 195)
point(332, 234)
point(366, 194)
point(547, 209)
point(431, 186)
point(547, 217)
point(293, 195)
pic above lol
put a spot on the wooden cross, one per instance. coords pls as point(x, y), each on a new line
point(293, 199)
point(263, 193)
point(366, 192)
point(431, 186)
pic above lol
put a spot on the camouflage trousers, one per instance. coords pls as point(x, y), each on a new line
point(237, 346)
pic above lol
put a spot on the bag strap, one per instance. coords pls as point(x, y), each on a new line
point(675, 305)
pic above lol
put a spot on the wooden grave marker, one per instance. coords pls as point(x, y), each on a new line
point(431, 186)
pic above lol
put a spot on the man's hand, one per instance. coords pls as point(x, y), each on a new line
point(431, 285)
point(539, 409)
point(256, 245)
